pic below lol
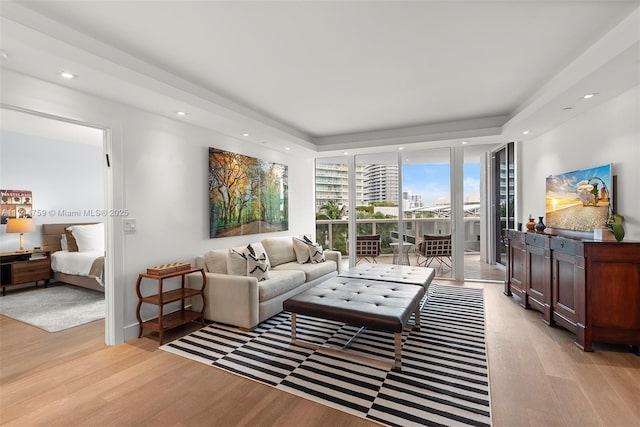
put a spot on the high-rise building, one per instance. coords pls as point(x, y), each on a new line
point(381, 183)
point(332, 183)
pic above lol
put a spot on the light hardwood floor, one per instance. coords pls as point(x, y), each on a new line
point(538, 377)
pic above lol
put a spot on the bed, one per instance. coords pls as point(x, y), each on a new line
point(84, 269)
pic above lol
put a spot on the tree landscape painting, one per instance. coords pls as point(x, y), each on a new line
point(246, 195)
point(580, 200)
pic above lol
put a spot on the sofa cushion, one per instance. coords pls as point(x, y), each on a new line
point(311, 271)
point(279, 250)
point(279, 282)
point(216, 261)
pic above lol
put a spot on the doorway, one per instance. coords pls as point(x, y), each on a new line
point(62, 163)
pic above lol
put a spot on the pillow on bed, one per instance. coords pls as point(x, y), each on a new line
point(89, 238)
point(72, 246)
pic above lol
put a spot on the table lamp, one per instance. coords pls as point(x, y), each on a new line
point(21, 225)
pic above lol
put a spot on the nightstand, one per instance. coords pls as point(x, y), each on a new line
point(17, 268)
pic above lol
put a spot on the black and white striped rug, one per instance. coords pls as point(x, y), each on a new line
point(444, 379)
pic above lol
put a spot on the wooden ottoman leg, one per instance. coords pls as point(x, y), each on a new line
point(293, 327)
point(397, 363)
point(416, 317)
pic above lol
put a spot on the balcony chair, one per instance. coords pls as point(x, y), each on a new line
point(434, 247)
point(367, 248)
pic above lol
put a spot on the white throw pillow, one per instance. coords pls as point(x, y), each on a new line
point(302, 251)
point(90, 238)
point(216, 261)
point(236, 262)
point(257, 266)
point(63, 242)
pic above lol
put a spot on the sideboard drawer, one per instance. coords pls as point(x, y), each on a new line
point(31, 271)
point(567, 246)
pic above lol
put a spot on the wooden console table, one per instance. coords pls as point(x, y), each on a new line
point(177, 318)
point(591, 288)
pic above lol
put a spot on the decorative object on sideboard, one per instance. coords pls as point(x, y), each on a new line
point(540, 225)
point(614, 223)
point(531, 224)
point(21, 225)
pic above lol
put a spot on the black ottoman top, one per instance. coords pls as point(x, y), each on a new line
point(377, 305)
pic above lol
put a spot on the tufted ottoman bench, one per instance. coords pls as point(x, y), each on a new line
point(384, 306)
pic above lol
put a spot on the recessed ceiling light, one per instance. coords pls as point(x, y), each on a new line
point(400, 148)
point(245, 134)
point(589, 95)
point(3, 54)
point(345, 153)
point(287, 148)
point(526, 132)
point(181, 113)
point(67, 75)
point(465, 142)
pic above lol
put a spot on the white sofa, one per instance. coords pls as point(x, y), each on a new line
point(244, 301)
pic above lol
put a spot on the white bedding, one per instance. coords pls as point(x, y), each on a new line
point(78, 263)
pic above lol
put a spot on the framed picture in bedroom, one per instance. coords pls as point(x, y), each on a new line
point(15, 204)
point(246, 195)
point(580, 200)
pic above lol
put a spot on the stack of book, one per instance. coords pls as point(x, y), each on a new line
point(38, 255)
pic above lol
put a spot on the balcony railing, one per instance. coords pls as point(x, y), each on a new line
point(333, 234)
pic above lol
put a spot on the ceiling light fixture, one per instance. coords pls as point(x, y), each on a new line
point(346, 153)
point(589, 95)
point(3, 54)
point(67, 75)
point(245, 134)
point(400, 148)
point(568, 108)
point(287, 148)
point(181, 113)
point(465, 142)
point(526, 132)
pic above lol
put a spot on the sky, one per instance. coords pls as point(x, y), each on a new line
point(433, 181)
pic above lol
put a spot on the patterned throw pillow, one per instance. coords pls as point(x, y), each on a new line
point(258, 251)
point(316, 253)
point(257, 265)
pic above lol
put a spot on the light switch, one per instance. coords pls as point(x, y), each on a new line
point(129, 225)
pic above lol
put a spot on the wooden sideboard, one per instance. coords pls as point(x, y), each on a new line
point(591, 288)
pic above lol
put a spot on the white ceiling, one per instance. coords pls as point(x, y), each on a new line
point(328, 76)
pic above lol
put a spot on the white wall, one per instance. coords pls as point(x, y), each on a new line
point(64, 177)
point(159, 173)
point(609, 133)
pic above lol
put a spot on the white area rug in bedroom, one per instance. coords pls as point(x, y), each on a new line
point(55, 308)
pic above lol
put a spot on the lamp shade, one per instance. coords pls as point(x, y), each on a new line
point(20, 225)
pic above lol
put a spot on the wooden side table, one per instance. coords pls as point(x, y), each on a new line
point(178, 318)
point(17, 268)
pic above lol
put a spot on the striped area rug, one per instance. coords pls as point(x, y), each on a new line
point(444, 379)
